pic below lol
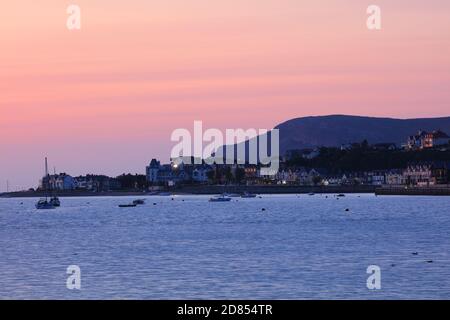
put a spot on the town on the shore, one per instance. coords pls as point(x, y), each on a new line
point(422, 161)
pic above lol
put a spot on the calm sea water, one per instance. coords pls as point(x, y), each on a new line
point(300, 247)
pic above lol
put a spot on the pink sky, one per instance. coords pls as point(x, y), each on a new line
point(105, 99)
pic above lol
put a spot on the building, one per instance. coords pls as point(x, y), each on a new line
point(333, 180)
point(425, 140)
point(97, 183)
point(64, 182)
point(200, 174)
point(376, 178)
point(60, 181)
point(152, 171)
point(170, 174)
point(419, 174)
point(436, 139)
point(440, 171)
point(395, 177)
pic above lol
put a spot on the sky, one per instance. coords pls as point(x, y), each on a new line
point(105, 99)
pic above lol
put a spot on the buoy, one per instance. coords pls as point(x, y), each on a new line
point(154, 203)
point(263, 209)
point(347, 209)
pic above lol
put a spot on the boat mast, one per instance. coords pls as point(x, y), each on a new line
point(46, 167)
point(47, 176)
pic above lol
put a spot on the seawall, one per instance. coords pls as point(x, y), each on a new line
point(439, 190)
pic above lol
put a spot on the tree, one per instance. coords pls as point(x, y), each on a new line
point(316, 180)
point(129, 181)
point(211, 175)
point(228, 174)
point(239, 175)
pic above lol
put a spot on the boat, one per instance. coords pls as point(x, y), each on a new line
point(340, 195)
point(130, 205)
point(222, 198)
point(248, 195)
point(44, 204)
point(311, 194)
point(139, 201)
point(55, 201)
point(164, 194)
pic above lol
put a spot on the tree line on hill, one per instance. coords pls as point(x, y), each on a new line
point(362, 157)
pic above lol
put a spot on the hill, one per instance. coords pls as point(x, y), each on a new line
point(336, 130)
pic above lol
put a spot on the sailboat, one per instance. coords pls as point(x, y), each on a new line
point(55, 201)
point(44, 203)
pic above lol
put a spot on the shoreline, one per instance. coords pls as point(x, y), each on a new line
point(266, 189)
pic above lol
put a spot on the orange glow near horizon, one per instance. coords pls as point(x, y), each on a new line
point(106, 98)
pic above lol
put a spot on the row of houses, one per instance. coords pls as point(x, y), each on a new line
point(176, 173)
point(426, 173)
point(65, 182)
point(419, 174)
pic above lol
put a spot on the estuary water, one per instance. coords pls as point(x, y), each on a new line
point(299, 247)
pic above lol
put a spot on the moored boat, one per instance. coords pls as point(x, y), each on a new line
point(44, 204)
point(130, 205)
point(55, 201)
point(222, 198)
point(139, 201)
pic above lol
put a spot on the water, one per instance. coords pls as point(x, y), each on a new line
point(301, 247)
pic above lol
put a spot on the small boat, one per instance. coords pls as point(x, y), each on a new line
point(340, 195)
point(222, 198)
point(311, 194)
point(130, 205)
point(139, 201)
point(44, 204)
point(55, 201)
point(164, 194)
point(248, 195)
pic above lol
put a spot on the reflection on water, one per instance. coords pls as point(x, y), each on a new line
point(300, 247)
